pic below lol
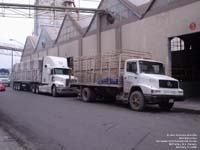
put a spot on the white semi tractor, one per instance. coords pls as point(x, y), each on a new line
point(49, 74)
point(130, 76)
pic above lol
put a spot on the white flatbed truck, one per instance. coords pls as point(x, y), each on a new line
point(130, 76)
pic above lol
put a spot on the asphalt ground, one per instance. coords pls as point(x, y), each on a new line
point(65, 123)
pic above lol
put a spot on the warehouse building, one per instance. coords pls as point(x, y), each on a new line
point(169, 30)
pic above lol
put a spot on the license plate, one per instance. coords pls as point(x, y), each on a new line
point(171, 100)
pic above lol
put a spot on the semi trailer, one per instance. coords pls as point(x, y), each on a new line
point(130, 76)
point(49, 74)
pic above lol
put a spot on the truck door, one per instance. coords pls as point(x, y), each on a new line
point(130, 76)
point(46, 76)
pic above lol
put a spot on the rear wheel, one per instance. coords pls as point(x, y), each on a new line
point(13, 86)
point(136, 101)
point(33, 88)
point(37, 90)
point(18, 86)
point(166, 106)
point(88, 95)
point(54, 91)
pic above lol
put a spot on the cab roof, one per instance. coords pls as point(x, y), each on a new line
point(141, 59)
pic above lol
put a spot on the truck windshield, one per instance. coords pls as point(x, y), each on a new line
point(151, 67)
point(62, 71)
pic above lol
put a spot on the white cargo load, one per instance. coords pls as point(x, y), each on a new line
point(49, 74)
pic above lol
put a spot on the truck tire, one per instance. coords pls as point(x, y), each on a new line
point(87, 95)
point(136, 101)
point(166, 106)
point(37, 89)
point(14, 86)
point(54, 91)
point(18, 87)
point(33, 88)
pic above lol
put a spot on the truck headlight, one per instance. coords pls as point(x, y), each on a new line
point(155, 91)
point(180, 92)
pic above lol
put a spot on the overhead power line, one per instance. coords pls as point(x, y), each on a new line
point(11, 48)
point(48, 8)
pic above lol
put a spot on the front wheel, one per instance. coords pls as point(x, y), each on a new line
point(54, 91)
point(166, 106)
point(136, 101)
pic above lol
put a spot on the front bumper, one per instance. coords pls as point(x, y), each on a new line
point(65, 91)
point(155, 99)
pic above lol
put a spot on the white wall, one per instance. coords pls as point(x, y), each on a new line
point(53, 51)
point(69, 49)
point(152, 33)
point(42, 54)
point(90, 45)
point(108, 41)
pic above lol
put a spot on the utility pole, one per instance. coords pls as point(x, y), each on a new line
point(12, 62)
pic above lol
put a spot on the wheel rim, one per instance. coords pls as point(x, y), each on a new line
point(33, 90)
point(37, 90)
point(135, 101)
point(54, 91)
point(85, 95)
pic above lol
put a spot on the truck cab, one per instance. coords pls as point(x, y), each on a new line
point(56, 76)
point(145, 82)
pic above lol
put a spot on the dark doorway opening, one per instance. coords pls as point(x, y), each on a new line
point(185, 53)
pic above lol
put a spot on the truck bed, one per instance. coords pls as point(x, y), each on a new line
point(105, 70)
point(96, 85)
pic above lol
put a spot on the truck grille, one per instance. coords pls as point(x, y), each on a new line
point(168, 84)
point(68, 81)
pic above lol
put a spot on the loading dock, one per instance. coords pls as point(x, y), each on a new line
point(185, 55)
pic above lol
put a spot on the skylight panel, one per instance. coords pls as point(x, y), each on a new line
point(139, 2)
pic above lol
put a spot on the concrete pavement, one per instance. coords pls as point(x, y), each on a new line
point(64, 123)
point(7, 142)
point(191, 104)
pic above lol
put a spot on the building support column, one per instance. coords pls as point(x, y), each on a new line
point(98, 34)
point(58, 51)
point(80, 47)
point(118, 39)
point(80, 53)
